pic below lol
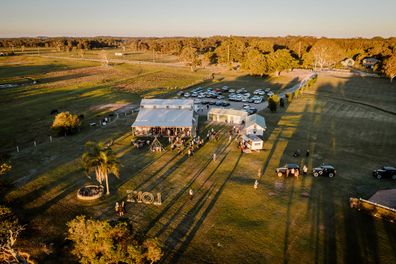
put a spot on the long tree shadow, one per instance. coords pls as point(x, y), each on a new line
point(188, 221)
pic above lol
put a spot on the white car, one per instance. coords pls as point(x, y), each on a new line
point(187, 95)
point(270, 94)
point(231, 91)
point(258, 101)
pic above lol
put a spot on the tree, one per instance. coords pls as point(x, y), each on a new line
point(273, 103)
point(96, 241)
point(66, 122)
point(9, 232)
point(4, 168)
point(190, 56)
point(255, 63)
point(102, 161)
point(389, 67)
point(279, 61)
point(325, 53)
point(153, 250)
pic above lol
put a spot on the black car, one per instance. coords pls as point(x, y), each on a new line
point(225, 104)
point(288, 169)
point(324, 170)
point(385, 172)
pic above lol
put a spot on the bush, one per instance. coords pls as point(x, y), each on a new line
point(66, 122)
point(273, 103)
point(97, 241)
point(289, 97)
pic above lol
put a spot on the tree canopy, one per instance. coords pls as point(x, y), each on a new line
point(390, 67)
point(96, 241)
point(66, 122)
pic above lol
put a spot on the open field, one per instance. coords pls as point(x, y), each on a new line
point(304, 220)
point(128, 55)
point(79, 87)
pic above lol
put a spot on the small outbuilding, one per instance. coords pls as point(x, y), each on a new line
point(370, 62)
point(254, 125)
point(252, 142)
point(348, 62)
point(224, 115)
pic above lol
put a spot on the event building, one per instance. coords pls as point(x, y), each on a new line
point(165, 117)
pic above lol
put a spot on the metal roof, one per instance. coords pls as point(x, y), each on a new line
point(225, 111)
point(255, 119)
point(154, 117)
point(163, 103)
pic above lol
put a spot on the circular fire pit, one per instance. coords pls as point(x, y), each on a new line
point(90, 192)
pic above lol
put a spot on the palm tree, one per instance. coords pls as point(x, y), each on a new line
point(102, 161)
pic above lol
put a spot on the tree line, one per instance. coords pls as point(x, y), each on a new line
point(256, 55)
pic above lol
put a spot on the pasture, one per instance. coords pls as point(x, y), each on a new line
point(305, 220)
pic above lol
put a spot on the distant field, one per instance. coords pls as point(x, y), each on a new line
point(95, 54)
point(304, 220)
point(76, 86)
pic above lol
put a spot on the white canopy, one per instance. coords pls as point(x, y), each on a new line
point(164, 118)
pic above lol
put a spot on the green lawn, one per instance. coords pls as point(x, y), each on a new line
point(305, 220)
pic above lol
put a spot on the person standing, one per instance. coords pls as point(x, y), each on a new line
point(214, 157)
point(122, 211)
point(191, 193)
point(307, 153)
point(255, 184)
point(117, 207)
point(305, 169)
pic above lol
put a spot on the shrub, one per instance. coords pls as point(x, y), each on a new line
point(66, 122)
point(99, 241)
point(273, 103)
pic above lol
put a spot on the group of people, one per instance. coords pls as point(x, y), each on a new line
point(120, 208)
point(212, 134)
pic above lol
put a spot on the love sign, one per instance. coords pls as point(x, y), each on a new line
point(143, 197)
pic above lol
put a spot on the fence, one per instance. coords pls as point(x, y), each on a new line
point(374, 209)
point(92, 124)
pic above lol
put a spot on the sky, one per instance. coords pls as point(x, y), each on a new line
point(145, 18)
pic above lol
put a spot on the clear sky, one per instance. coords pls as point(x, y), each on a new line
point(331, 18)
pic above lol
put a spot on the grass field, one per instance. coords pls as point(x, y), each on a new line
point(305, 220)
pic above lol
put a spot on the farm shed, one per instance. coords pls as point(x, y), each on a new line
point(252, 142)
point(223, 115)
point(254, 125)
point(165, 117)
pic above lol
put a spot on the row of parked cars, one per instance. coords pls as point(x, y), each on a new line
point(294, 170)
point(239, 95)
point(330, 171)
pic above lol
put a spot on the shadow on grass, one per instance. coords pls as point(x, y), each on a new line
point(189, 220)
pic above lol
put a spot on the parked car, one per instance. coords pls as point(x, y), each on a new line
point(225, 104)
point(324, 170)
point(287, 169)
point(269, 94)
point(180, 93)
point(267, 90)
point(258, 101)
point(385, 172)
point(225, 88)
point(194, 94)
point(212, 102)
point(220, 97)
point(218, 103)
point(205, 102)
point(187, 95)
point(231, 91)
